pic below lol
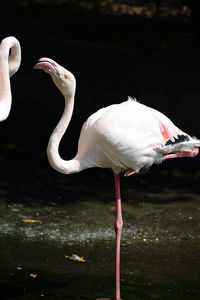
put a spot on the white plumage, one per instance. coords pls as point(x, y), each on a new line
point(129, 135)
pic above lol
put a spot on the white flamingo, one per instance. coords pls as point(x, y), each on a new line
point(10, 59)
point(126, 137)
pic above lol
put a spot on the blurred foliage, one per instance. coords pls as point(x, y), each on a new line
point(157, 24)
point(148, 8)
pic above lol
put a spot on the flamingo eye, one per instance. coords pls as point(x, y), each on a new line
point(65, 76)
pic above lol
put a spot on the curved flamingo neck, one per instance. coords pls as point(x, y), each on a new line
point(8, 66)
point(14, 59)
point(56, 162)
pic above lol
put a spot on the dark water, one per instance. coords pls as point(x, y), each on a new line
point(160, 243)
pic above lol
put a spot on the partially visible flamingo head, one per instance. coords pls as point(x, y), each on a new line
point(63, 79)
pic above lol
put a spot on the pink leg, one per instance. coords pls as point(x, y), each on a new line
point(118, 231)
point(183, 154)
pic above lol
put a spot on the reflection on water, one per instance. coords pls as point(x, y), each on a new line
point(93, 221)
point(160, 243)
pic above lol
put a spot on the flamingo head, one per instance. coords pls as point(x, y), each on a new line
point(63, 79)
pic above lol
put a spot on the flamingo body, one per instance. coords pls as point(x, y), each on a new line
point(129, 135)
point(126, 137)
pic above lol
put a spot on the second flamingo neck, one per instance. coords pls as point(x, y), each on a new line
point(5, 89)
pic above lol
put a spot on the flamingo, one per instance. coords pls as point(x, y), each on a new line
point(126, 137)
point(10, 60)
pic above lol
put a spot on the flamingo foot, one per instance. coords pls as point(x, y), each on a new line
point(108, 299)
point(127, 174)
point(104, 299)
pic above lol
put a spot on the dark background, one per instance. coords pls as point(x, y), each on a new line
point(145, 49)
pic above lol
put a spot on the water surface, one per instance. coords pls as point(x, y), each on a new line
point(160, 242)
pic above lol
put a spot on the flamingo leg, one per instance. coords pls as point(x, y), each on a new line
point(192, 153)
point(129, 172)
point(118, 232)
